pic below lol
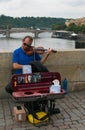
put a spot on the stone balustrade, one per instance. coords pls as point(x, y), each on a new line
point(69, 63)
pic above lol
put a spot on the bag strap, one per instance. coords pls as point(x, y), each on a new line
point(44, 117)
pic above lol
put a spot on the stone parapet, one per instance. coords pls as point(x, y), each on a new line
point(69, 63)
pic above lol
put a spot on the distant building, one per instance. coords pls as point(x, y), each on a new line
point(78, 22)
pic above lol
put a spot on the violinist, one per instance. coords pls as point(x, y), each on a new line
point(24, 55)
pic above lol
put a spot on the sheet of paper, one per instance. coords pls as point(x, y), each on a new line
point(27, 69)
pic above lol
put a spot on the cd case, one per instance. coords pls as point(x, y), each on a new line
point(27, 69)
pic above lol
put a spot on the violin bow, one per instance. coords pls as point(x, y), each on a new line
point(34, 51)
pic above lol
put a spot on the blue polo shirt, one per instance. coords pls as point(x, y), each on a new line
point(20, 57)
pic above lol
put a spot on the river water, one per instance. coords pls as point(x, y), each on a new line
point(45, 40)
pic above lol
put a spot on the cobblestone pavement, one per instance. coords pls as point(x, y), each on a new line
point(72, 116)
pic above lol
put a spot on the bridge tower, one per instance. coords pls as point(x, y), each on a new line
point(8, 32)
point(36, 34)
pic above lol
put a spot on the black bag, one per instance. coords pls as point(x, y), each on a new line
point(38, 67)
point(36, 112)
point(38, 118)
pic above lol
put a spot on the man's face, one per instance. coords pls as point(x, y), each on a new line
point(26, 45)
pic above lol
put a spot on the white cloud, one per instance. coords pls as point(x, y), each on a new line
point(74, 2)
point(47, 8)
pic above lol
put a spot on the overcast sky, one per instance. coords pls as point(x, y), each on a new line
point(43, 8)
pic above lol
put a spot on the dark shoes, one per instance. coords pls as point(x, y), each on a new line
point(54, 111)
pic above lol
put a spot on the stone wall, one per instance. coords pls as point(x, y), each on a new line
point(69, 63)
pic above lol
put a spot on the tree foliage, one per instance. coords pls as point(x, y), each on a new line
point(27, 22)
point(76, 28)
point(59, 26)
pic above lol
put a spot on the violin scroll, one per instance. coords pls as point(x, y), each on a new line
point(54, 51)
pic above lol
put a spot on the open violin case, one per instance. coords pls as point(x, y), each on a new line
point(35, 86)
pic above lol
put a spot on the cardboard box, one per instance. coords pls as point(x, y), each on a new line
point(19, 113)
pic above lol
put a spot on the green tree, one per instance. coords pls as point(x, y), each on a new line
point(59, 27)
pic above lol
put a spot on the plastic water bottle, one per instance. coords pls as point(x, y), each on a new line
point(65, 85)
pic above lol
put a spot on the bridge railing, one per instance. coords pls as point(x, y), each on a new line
point(69, 63)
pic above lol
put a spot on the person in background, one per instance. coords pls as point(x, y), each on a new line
point(24, 55)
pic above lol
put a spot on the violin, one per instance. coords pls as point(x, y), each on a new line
point(39, 50)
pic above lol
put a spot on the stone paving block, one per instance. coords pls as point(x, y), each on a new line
point(36, 128)
point(77, 126)
point(9, 127)
point(9, 122)
point(78, 113)
point(72, 129)
point(2, 128)
point(83, 117)
point(50, 127)
point(75, 122)
point(75, 118)
point(83, 128)
point(2, 123)
point(64, 126)
point(81, 121)
point(68, 123)
point(19, 129)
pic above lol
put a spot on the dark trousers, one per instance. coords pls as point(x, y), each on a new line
point(8, 88)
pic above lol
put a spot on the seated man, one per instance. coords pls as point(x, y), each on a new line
point(24, 55)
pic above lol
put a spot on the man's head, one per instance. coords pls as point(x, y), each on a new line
point(26, 43)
